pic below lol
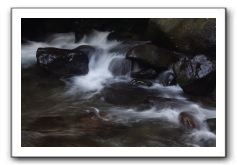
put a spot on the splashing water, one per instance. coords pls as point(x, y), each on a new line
point(99, 63)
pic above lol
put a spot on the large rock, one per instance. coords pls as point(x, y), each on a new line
point(64, 61)
point(153, 56)
point(196, 75)
point(188, 35)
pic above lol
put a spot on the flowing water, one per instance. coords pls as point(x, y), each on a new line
point(101, 108)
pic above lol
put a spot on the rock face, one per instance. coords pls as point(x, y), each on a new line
point(63, 61)
point(153, 56)
point(196, 76)
point(185, 34)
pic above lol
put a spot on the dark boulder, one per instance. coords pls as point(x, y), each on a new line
point(167, 78)
point(197, 75)
point(153, 56)
point(188, 35)
point(188, 120)
point(63, 61)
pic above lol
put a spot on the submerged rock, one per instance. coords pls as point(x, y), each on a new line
point(196, 76)
point(188, 120)
point(153, 56)
point(64, 61)
point(125, 94)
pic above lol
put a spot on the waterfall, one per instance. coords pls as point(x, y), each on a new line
point(103, 64)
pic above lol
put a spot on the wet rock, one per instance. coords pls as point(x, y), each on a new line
point(188, 35)
point(212, 124)
point(196, 76)
point(188, 120)
point(153, 56)
point(63, 61)
point(167, 78)
point(144, 74)
point(140, 82)
point(120, 66)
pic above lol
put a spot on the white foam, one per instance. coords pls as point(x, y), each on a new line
point(99, 73)
point(131, 115)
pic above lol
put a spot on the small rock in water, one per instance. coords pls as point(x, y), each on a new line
point(139, 82)
point(167, 78)
point(188, 120)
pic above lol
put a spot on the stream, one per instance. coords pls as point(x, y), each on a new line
point(102, 108)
